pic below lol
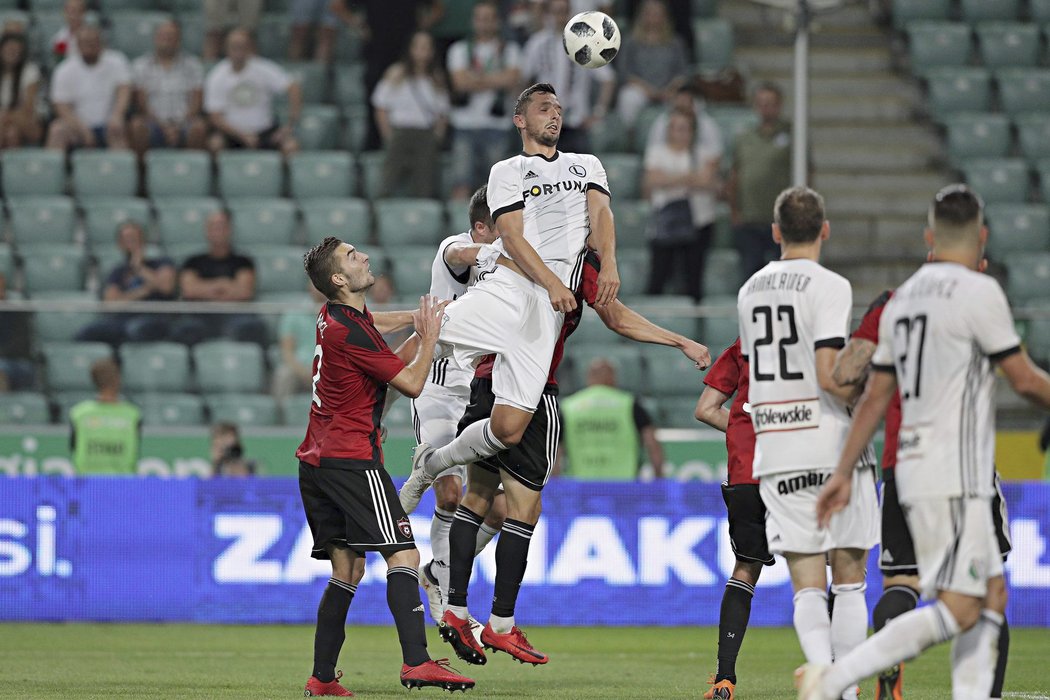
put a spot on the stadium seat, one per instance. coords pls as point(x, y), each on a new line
point(977, 135)
point(1008, 44)
point(192, 24)
point(371, 172)
point(66, 400)
point(153, 367)
point(722, 273)
point(1039, 10)
point(54, 269)
point(24, 408)
point(68, 365)
point(732, 121)
point(958, 90)
point(355, 132)
point(178, 173)
point(225, 366)
point(272, 36)
point(1043, 168)
point(312, 80)
point(246, 410)
point(704, 8)
point(1038, 339)
point(612, 137)
point(624, 171)
point(33, 171)
point(131, 32)
point(592, 331)
point(39, 221)
point(410, 269)
point(1027, 277)
point(906, 11)
point(249, 174)
point(982, 10)
point(278, 269)
point(720, 329)
point(1033, 135)
point(938, 45)
point(643, 125)
point(346, 218)
point(171, 409)
point(631, 216)
point(102, 215)
point(7, 263)
point(456, 216)
point(409, 222)
point(1016, 228)
point(60, 325)
point(295, 409)
point(1024, 89)
point(671, 373)
point(630, 373)
point(714, 43)
point(678, 412)
point(262, 221)
point(635, 264)
point(998, 179)
point(106, 173)
point(350, 85)
point(326, 174)
point(180, 220)
point(674, 312)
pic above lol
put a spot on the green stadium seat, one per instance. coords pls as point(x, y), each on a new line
point(399, 417)
point(998, 179)
point(192, 24)
point(155, 367)
point(671, 373)
point(1024, 89)
point(1033, 135)
point(592, 331)
point(676, 313)
point(704, 8)
point(732, 122)
point(24, 408)
point(409, 222)
point(318, 128)
point(295, 409)
point(272, 36)
point(1038, 339)
point(953, 90)
point(14, 16)
point(1008, 44)
point(107, 173)
point(36, 221)
point(938, 45)
point(249, 174)
point(102, 215)
point(355, 131)
point(714, 43)
point(906, 11)
point(68, 365)
point(643, 125)
point(54, 269)
point(66, 400)
point(613, 136)
point(633, 265)
point(113, 7)
point(180, 220)
point(626, 358)
point(631, 217)
point(624, 171)
point(410, 269)
point(312, 80)
point(7, 263)
point(328, 174)
point(131, 31)
point(371, 172)
point(178, 173)
point(246, 410)
point(33, 171)
point(1016, 228)
point(225, 366)
point(171, 409)
point(262, 221)
point(346, 218)
point(983, 10)
point(278, 269)
point(350, 85)
point(456, 215)
point(720, 327)
point(60, 326)
point(1043, 169)
point(348, 47)
point(722, 272)
point(678, 412)
point(977, 135)
point(1027, 277)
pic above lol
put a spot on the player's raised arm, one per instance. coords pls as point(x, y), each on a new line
point(427, 318)
point(461, 255)
point(627, 322)
point(391, 321)
point(511, 226)
point(603, 240)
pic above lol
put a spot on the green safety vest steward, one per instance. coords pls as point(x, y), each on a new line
point(105, 437)
point(601, 439)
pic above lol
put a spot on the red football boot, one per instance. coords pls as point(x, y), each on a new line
point(514, 643)
point(458, 633)
point(434, 673)
point(315, 688)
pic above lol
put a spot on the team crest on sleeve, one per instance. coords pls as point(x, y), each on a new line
point(405, 527)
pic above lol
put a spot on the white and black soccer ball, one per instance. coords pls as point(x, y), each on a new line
point(591, 39)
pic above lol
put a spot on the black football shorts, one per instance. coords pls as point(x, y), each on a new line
point(747, 523)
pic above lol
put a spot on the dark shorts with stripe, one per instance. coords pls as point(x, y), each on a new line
point(747, 523)
point(354, 508)
point(532, 459)
point(897, 551)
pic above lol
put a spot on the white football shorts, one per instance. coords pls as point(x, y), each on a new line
point(435, 417)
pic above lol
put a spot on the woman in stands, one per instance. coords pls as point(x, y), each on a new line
point(20, 124)
point(653, 62)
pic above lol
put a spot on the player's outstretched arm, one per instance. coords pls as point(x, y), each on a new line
point(603, 240)
point(1027, 379)
point(511, 226)
point(427, 318)
point(392, 321)
point(460, 255)
point(711, 409)
point(625, 321)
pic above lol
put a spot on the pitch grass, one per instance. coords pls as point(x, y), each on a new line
point(204, 661)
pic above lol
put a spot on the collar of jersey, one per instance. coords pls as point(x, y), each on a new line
point(350, 308)
point(540, 155)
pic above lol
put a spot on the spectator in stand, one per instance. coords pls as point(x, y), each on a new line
point(680, 13)
point(680, 179)
point(16, 372)
point(296, 335)
point(168, 92)
point(238, 97)
point(20, 125)
point(685, 99)
point(219, 275)
point(64, 41)
point(221, 16)
point(761, 171)
point(225, 438)
point(545, 61)
point(652, 63)
point(304, 15)
point(106, 433)
point(91, 94)
point(411, 103)
point(138, 278)
point(484, 70)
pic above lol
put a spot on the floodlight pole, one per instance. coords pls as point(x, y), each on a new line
point(799, 166)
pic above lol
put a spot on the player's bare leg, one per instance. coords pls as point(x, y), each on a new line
point(347, 571)
point(849, 617)
point(479, 440)
point(732, 624)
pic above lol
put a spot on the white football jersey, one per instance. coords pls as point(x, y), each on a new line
point(940, 333)
point(451, 283)
point(553, 194)
point(787, 310)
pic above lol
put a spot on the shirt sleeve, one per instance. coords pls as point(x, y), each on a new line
point(869, 325)
point(195, 72)
point(831, 316)
point(724, 374)
point(138, 72)
point(121, 68)
point(278, 80)
point(710, 146)
point(214, 98)
point(62, 86)
point(457, 57)
point(991, 322)
point(381, 96)
point(882, 358)
point(597, 179)
point(512, 55)
point(505, 188)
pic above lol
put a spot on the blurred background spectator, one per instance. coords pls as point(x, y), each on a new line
point(20, 80)
point(313, 24)
point(297, 339)
point(220, 16)
point(106, 430)
point(64, 41)
point(233, 463)
point(653, 62)
point(227, 451)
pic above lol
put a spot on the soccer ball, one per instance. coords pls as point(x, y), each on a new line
point(591, 39)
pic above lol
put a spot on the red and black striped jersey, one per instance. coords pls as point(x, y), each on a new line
point(869, 330)
point(352, 366)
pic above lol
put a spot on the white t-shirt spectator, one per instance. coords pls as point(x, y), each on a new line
point(30, 76)
point(545, 61)
point(245, 99)
point(64, 43)
point(482, 57)
point(412, 103)
point(659, 156)
point(168, 88)
point(90, 89)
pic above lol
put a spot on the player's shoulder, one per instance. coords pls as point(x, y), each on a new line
point(463, 237)
point(831, 278)
point(344, 325)
point(508, 167)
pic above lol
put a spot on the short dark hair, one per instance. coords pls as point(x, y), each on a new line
point(225, 427)
point(956, 205)
point(105, 372)
point(768, 86)
point(799, 213)
point(320, 263)
point(137, 225)
point(479, 207)
point(527, 93)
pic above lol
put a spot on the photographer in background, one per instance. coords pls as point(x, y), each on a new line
point(227, 452)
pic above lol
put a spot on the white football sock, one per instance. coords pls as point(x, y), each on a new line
point(459, 611)
point(485, 535)
point(501, 625)
point(849, 623)
point(440, 524)
point(813, 625)
point(903, 638)
point(974, 654)
point(474, 443)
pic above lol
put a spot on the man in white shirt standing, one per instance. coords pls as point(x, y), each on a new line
point(483, 69)
point(940, 337)
point(91, 93)
point(238, 98)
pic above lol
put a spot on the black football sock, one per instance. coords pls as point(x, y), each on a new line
point(895, 601)
point(331, 627)
point(402, 596)
point(462, 538)
point(1000, 664)
point(512, 555)
point(732, 624)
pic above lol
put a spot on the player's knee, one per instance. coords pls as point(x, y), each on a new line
point(448, 492)
point(747, 571)
point(509, 435)
point(405, 557)
point(996, 598)
point(965, 609)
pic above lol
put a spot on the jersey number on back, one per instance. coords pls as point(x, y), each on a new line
point(765, 316)
point(910, 333)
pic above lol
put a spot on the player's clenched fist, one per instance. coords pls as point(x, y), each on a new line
point(698, 353)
